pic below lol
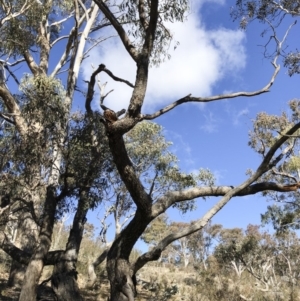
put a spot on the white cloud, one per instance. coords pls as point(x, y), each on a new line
point(181, 148)
point(236, 120)
point(211, 123)
point(202, 58)
point(219, 176)
point(234, 114)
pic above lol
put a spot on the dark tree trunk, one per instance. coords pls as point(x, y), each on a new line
point(122, 286)
point(120, 272)
point(65, 286)
point(64, 277)
point(16, 274)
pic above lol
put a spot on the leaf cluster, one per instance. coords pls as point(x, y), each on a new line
point(19, 33)
point(85, 159)
point(43, 100)
point(283, 216)
point(267, 129)
point(158, 167)
point(169, 12)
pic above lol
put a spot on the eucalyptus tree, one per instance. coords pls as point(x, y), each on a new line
point(272, 260)
point(44, 160)
point(146, 18)
point(158, 170)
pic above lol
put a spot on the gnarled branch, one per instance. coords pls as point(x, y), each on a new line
point(120, 30)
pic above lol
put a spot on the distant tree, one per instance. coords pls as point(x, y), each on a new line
point(156, 230)
point(283, 214)
point(202, 243)
point(271, 260)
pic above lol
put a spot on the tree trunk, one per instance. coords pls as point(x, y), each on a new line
point(64, 277)
point(120, 273)
point(65, 286)
point(122, 286)
point(91, 268)
point(36, 264)
point(27, 236)
point(16, 274)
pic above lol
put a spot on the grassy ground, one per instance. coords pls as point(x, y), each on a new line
point(148, 289)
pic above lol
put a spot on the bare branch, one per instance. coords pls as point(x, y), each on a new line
point(78, 51)
point(120, 30)
point(150, 32)
point(103, 96)
point(62, 20)
point(13, 109)
point(44, 43)
point(94, 45)
point(6, 118)
point(85, 10)
point(190, 98)
point(12, 74)
point(142, 13)
point(284, 174)
point(126, 219)
point(15, 62)
point(91, 85)
point(139, 92)
point(73, 33)
point(34, 68)
point(117, 79)
point(24, 257)
point(127, 172)
point(227, 192)
point(243, 189)
point(7, 246)
point(97, 27)
point(153, 183)
point(290, 136)
point(215, 191)
point(9, 15)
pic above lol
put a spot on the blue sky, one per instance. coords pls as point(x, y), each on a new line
point(213, 57)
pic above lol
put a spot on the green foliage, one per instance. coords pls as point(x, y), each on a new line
point(294, 164)
point(156, 230)
point(44, 100)
point(158, 167)
point(63, 6)
point(19, 33)
point(85, 161)
point(267, 129)
point(169, 11)
point(283, 217)
point(201, 243)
